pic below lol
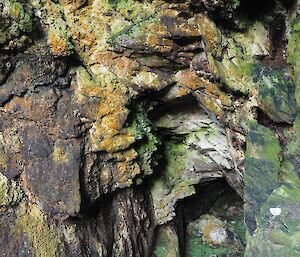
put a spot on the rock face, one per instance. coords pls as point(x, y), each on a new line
point(120, 122)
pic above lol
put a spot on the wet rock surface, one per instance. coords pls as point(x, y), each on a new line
point(149, 128)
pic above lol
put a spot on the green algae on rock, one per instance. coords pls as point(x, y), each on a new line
point(279, 224)
point(278, 217)
point(235, 65)
point(275, 93)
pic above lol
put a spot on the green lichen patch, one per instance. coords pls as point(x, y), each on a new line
point(275, 93)
point(262, 166)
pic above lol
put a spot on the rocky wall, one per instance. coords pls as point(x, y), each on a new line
point(149, 128)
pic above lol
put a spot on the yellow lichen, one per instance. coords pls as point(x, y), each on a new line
point(3, 155)
point(10, 192)
point(42, 234)
point(60, 155)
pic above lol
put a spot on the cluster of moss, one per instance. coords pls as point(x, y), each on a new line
point(147, 141)
point(196, 247)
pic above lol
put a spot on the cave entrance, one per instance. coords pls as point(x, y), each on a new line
point(213, 221)
point(210, 223)
point(201, 215)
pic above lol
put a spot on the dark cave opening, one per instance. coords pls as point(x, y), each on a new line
point(251, 11)
point(208, 223)
point(213, 220)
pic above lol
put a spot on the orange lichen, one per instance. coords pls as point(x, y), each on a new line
point(190, 79)
point(122, 66)
point(210, 33)
point(58, 44)
point(211, 104)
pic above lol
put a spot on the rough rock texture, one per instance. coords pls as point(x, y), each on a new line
point(138, 128)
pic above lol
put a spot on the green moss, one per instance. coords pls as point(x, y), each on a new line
point(173, 183)
point(239, 228)
point(175, 155)
point(262, 144)
point(290, 170)
point(147, 153)
point(293, 51)
point(147, 141)
point(278, 235)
